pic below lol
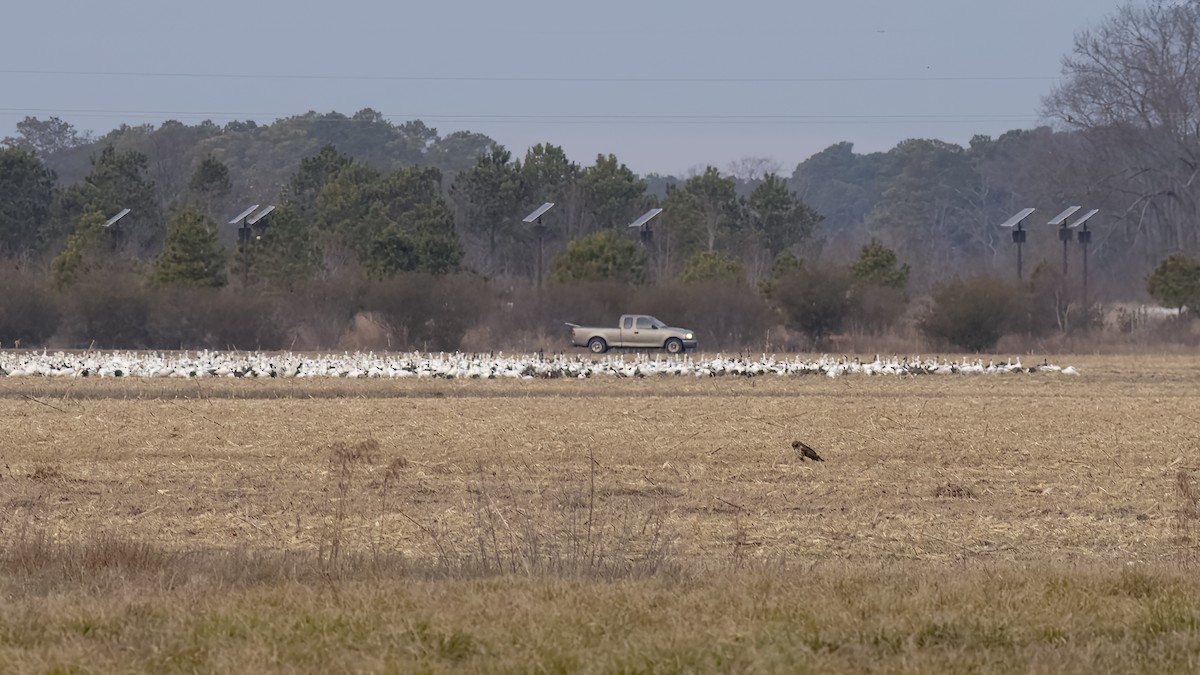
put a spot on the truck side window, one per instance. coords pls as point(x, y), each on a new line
point(644, 323)
point(628, 322)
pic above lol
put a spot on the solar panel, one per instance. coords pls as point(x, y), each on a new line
point(1084, 218)
point(645, 217)
point(260, 215)
point(1016, 220)
point(539, 212)
point(113, 221)
point(239, 217)
point(1062, 217)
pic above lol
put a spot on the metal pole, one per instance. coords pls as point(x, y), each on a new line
point(244, 232)
point(1085, 285)
point(1065, 235)
point(1018, 237)
point(1085, 238)
point(541, 235)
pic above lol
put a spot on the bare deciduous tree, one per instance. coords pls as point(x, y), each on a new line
point(1132, 89)
point(752, 170)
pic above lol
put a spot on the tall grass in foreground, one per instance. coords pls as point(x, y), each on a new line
point(1188, 515)
point(128, 608)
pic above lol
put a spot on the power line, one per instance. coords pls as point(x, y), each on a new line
point(552, 119)
point(535, 78)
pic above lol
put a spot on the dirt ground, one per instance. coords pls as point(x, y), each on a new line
point(1038, 467)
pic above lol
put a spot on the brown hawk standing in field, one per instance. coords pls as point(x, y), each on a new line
point(806, 451)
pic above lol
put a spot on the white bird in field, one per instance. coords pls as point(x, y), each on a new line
point(470, 366)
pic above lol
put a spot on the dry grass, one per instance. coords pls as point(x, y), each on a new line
point(782, 619)
point(465, 524)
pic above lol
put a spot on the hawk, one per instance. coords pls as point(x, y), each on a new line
point(806, 451)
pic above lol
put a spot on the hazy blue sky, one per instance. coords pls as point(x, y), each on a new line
point(665, 85)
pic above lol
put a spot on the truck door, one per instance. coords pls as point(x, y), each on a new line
point(628, 339)
point(645, 334)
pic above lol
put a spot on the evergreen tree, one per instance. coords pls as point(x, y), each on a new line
point(877, 266)
point(288, 253)
point(600, 256)
point(779, 218)
point(84, 250)
point(879, 284)
point(118, 180)
point(1176, 283)
point(711, 266)
point(26, 195)
point(191, 255)
point(211, 177)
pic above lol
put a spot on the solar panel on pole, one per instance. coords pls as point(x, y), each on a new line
point(1018, 235)
point(540, 230)
point(1016, 219)
point(113, 221)
point(1084, 218)
point(1067, 213)
point(645, 217)
point(242, 216)
point(538, 213)
point(260, 215)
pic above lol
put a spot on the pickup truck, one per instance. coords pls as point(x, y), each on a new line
point(639, 331)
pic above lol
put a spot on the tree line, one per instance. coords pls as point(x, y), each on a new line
point(362, 197)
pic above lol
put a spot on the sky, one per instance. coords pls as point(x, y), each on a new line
point(668, 85)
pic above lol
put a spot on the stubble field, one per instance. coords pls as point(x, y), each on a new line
point(1030, 522)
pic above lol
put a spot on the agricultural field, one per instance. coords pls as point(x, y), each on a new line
point(1030, 522)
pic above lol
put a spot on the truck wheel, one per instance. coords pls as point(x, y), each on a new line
point(673, 346)
point(597, 345)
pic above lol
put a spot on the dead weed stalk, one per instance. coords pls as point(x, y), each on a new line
point(1188, 514)
point(536, 530)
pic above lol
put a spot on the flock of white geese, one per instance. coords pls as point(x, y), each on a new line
point(208, 364)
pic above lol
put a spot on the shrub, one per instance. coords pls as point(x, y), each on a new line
point(429, 312)
point(315, 314)
point(875, 309)
point(814, 301)
point(728, 315)
point(109, 310)
point(971, 314)
point(28, 310)
point(595, 303)
point(203, 318)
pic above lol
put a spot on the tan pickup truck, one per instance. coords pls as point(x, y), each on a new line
point(638, 331)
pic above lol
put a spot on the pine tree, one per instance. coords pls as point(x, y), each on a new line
point(1176, 282)
point(191, 255)
point(877, 266)
point(600, 256)
point(288, 253)
point(83, 250)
